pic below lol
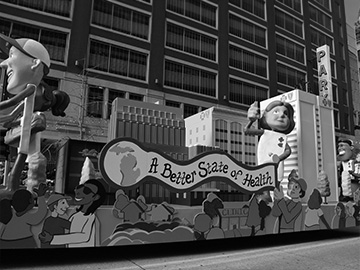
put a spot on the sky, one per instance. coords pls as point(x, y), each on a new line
point(352, 10)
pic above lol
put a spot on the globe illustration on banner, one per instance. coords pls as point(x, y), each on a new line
point(123, 163)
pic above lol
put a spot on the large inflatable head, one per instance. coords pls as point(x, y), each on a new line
point(278, 116)
point(345, 149)
point(28, 61)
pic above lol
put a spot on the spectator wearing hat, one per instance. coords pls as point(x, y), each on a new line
point(289, 210)
point(56, 224)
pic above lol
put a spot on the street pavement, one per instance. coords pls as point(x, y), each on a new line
point(321, 250)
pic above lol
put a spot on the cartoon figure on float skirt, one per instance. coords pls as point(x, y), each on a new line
point(348, 182)
point(27, 63)
point(276, 122)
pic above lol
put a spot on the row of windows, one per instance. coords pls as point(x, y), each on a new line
point(289, 48)
point(121, 19)
point(289, 76)
point(117, 60)
point(293, 4)
point(247, 61)
point(189, 78)
point(247, 30)
point(324, 3)
point(57, 7)
point(318, 38)
point(97, 101)
point(288, 23)
point(320, 17)
point(195, 9)
point(246, 93)
point(256, 7)
point(54, 41)
point(191, 41)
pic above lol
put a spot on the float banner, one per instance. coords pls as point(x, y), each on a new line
point(126, 163)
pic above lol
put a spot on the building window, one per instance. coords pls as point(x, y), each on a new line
point(247, 30)
point(346, 121)
point(335, 93)
point(137, 97)
point(324, 3)
point(190, 78)
point(53, 83)
point(289, 23)
point(343, 73)
point(250, 150)
point(345, 100)
point(247, 61)
point(290, 49)
point(236, 140)
point(336, 119)
point(357, 34)
point(338, 9)
point(117, 60)
point(256, 7)
point(171, 103)
point(320, 17)
point(341, 30)
point(357, 118)
point(191, 41)
point(342, 51)
point(95, 102)
point(319, 38)
point(122, 19)
point(246, 93)
point(221, 132)
point(53, 41)
point(333, 69)
point(5, 27)
point(57, 7)
point(293, 4)
point(195, 9)
point(190, 110)
point(113, 94)
point(289, 76)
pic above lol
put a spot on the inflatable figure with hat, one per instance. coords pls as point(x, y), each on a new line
point(27, 63)
point(348, 183)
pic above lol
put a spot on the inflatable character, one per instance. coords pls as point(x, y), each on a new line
point(276, 122)
point(27, 63)
point(348, 183)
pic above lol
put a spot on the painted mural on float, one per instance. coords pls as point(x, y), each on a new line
point(61, 221)
point(285, 197)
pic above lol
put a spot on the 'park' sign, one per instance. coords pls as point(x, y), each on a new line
point(324, 75)
point(124, 163)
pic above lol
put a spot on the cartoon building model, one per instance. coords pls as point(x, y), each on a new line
point(312, 140)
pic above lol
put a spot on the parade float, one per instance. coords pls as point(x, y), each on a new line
point(293, 187)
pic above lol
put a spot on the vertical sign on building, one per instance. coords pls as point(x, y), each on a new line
point(324, 74)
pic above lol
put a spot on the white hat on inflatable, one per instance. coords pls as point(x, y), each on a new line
point(31, 48)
